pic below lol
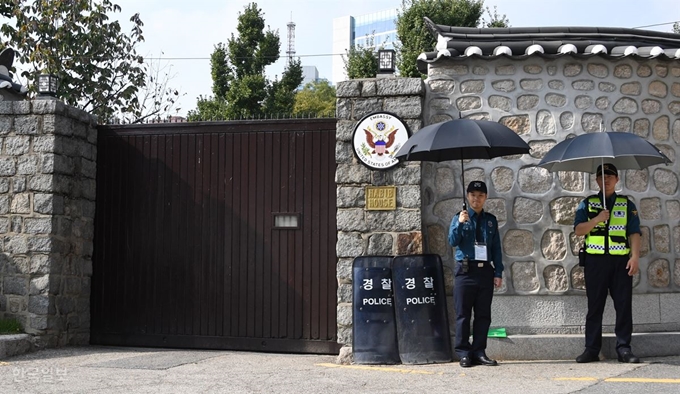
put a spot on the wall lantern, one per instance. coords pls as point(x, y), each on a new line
point(47, 85)
point(386, 58)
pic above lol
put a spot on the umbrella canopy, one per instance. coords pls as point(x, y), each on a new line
point(585, 152)
point(460, 139)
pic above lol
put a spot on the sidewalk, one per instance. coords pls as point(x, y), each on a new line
point(142, 370)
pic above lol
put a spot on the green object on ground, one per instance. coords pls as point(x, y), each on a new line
point(497, 333)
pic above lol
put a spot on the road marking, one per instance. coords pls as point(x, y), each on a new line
point(642, 380)
point(383, 369)
point(623, 380)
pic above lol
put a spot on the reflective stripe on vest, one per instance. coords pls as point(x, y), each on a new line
point(618, 219)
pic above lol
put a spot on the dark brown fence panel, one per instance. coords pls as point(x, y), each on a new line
point(186, 251)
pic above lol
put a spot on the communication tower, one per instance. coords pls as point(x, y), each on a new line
point(291, 39)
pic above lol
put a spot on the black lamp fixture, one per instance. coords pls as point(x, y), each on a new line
point(386, 58)
point(47, 85)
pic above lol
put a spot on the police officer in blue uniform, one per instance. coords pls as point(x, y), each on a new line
point(478, 269)
point(612, 246)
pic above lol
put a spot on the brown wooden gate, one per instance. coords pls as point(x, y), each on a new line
point(187, 252)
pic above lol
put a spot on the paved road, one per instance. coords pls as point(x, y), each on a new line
point(97, 369)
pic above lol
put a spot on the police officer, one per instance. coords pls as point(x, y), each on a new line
point(478, 269)
point(612, 246)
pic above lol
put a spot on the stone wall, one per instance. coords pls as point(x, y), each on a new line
point(362, 232)
point(47, 205)
point(545, 101)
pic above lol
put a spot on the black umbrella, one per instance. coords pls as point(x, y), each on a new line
point(462, 139)
point(586, 152)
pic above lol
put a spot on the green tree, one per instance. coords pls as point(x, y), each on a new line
point(97, 64)
point(240, 86)
point(6, 8)
point(361, 61)
point(281, 94)
point(316, 98)
point(676, 27)
point(208, 108)
point(220, 72)
point(414, 36)
point(494, 19)
point(215, 107)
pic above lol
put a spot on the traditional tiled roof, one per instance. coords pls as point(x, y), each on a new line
point(520, 42)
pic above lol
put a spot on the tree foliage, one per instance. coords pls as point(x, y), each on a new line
point(281, 94)
point(414, 36)
point(6, 8)
point(240, 86)
point(676, 27)
point(494, 19)
point(98, 66)
point(316, 98)
point(220, 71)
point(361, 61)
point(208, 108)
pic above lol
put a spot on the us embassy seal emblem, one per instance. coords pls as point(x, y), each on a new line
point(377, 139)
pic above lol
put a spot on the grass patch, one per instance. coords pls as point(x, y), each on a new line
point(10, 326)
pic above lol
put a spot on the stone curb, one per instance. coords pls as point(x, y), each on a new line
point(13, 345)
point(568, 347)
point(558, 347)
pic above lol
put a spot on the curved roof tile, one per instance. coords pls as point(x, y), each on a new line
point(612, 42)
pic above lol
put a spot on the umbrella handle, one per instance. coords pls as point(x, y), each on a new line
point(410, 150)
point(462, 180)
point(604, 198)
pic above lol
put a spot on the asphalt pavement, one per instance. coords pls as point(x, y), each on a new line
point(96, 369)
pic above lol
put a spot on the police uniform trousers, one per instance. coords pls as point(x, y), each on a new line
point(473, 292)
point(608, 274)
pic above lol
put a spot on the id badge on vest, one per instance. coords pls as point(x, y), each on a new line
point(480, 251)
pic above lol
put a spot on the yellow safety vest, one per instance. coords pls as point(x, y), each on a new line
point(618, 219)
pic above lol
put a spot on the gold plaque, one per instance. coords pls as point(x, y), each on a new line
point(381, 198)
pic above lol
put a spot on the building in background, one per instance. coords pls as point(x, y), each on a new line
point(349, 31)
point(309, 74)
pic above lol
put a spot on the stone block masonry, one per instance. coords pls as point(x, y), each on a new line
point(544, 100)
point(362, 232)
point(48, 154)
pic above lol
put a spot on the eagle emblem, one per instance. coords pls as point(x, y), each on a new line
point(381, 139)
point(377, 139)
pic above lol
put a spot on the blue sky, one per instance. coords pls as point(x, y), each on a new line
point(184, 33)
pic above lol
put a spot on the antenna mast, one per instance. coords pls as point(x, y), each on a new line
point(291, 39)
